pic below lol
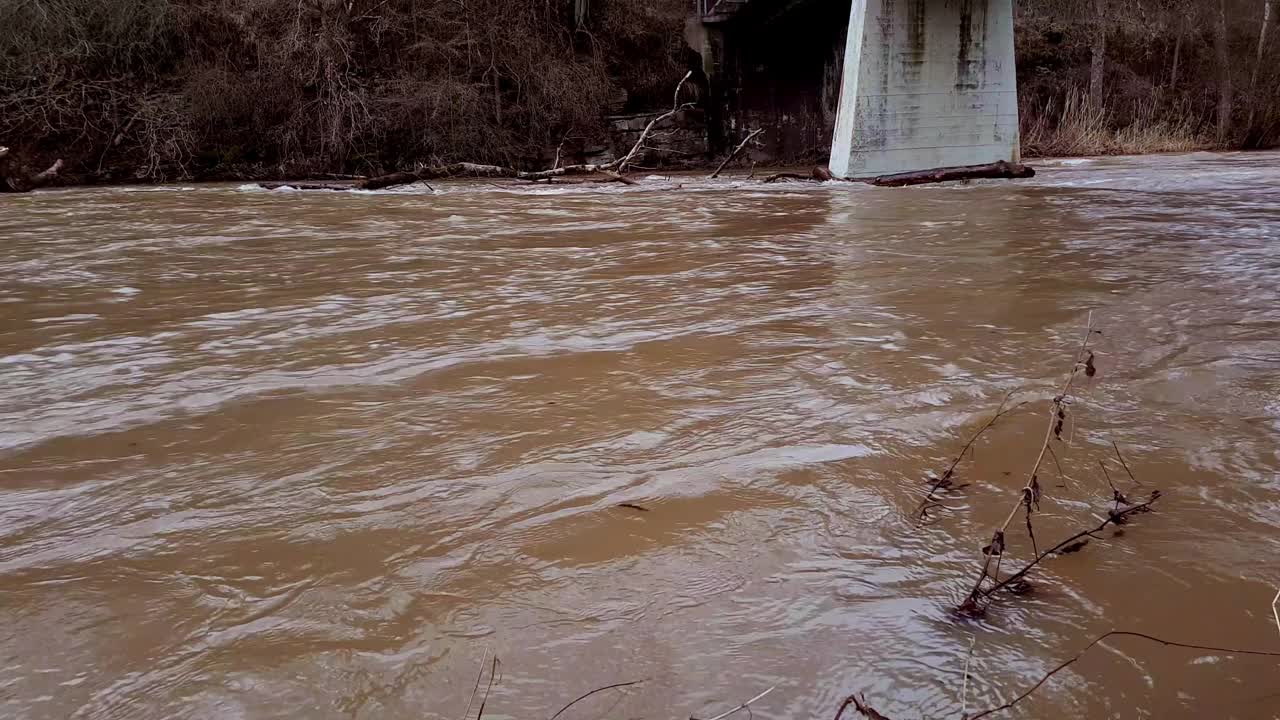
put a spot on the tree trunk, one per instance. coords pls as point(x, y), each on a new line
point(1177, 55)
point(1254, 100)
point(1226, 98)
point(1268, 11)
point(1098, 63)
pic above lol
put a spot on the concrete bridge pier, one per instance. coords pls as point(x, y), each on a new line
point(927, 84)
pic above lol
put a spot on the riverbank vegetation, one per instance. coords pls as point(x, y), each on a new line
point(1105, 77)
point(166, 89)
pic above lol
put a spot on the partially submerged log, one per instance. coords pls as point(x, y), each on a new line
point(999, 170)
point(306, 186)
point(21, 184)
point(474, 170)
point(818, 174)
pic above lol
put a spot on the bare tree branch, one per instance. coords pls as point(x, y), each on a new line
point(734, 154)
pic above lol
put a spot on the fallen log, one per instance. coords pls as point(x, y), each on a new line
point(20, 184)
point(779, 177)
point(305, 186)
point(1000, 170)
point(474, 170)
point(818, 174)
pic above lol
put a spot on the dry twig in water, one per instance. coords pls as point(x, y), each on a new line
point(859, 704)
point(1125, 464)
point(964, 688)
point(593, 692)
point(945, 481)
point(744, 705)
point(484, 660)
point(493, 673)
point(1275, 609)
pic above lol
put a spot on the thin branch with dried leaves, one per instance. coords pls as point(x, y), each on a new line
point(1030, 495)
point(1074, 543)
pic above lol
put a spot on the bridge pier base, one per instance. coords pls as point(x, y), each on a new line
point(927, 84)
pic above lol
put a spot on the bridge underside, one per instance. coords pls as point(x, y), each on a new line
point(926, 84)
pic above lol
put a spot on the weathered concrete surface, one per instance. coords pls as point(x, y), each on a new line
point(927, 84)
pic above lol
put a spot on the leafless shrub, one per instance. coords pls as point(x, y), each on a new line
point(163, 87)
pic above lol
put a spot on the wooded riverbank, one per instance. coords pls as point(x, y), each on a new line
point(152, 90)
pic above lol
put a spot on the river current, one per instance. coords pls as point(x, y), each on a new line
point(270, 454)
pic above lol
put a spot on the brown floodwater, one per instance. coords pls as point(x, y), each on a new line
point(283, 455)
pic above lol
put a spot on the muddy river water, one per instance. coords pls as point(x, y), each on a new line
point(285, 455)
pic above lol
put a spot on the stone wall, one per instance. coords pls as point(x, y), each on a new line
point(676, 141)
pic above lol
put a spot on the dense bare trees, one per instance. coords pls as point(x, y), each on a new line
point(129, 89)
point(165, 88)
point(1146, 65)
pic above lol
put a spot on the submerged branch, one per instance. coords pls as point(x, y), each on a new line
point(1118, 633)
point(945, 480)
point(859, 704)
point(1114, 517)
point(1030, 494)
